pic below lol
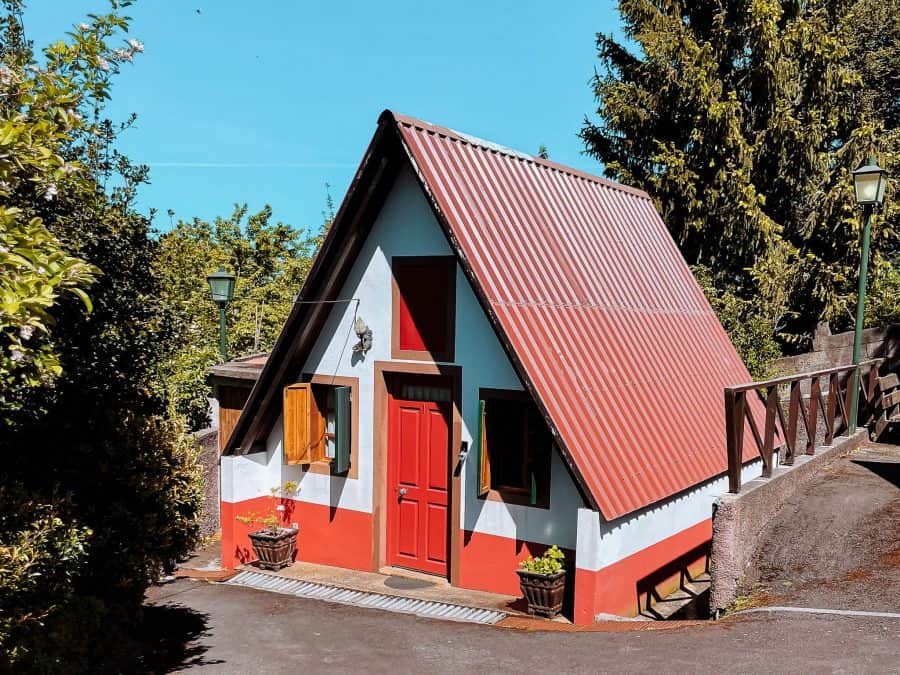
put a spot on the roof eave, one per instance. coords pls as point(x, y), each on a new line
point(252, 424)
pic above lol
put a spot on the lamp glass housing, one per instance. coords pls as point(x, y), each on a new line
point(869, 182)
point(221, 286)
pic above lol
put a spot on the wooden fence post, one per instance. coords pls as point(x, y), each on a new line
point(735, 403)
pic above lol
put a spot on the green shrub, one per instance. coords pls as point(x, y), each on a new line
point(101, 490)
point(41, 553)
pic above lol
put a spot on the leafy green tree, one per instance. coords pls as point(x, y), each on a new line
point(750, 330)
point(99, 489)
point(738, 119)
point(35, 269)
point(874, 33)
point(270, 262)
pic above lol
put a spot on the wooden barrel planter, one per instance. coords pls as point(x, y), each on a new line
point(274, 550)
point(544, 592)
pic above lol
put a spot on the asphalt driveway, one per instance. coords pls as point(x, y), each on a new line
point(212, 628)
point(836, 545)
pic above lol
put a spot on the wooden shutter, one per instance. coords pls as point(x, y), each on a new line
point(342, 429)
point(484, 459)
point(297, 432)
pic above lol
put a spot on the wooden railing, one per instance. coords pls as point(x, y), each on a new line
point(807, 404)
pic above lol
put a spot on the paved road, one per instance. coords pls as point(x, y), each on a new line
point(211, 628)
point(835, 545)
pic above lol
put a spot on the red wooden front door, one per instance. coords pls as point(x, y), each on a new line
point(418, 475)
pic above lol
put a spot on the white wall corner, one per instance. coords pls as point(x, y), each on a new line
point(226, 483)
point(587, 548)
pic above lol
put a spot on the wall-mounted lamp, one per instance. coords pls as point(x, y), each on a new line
point(364, 333)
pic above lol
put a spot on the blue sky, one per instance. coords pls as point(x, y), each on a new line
point(266, 102)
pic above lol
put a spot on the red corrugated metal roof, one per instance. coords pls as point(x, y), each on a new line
point(607, 324)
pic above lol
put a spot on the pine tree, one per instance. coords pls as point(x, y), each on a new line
point(740, 119)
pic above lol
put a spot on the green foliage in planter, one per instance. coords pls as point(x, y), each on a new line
point(550, 562)
point(271, 521)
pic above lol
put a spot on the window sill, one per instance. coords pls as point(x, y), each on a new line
point(421, 355)
point(321, 467)
point(517, 498)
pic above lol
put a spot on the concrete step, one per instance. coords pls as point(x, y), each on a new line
point(688, 602)
point(431, 609)
point(884, 422)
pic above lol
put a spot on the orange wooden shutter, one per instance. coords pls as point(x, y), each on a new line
point(297, 423)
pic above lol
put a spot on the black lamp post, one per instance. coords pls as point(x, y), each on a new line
point(869, 181)
point(221, 287)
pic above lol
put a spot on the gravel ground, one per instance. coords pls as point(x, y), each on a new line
point(836, 544)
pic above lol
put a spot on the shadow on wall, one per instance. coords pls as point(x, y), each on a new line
point(301, 474)
point(673, 576)
point(889, 348)
point(889, 471)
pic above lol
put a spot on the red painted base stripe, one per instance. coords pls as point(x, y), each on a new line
point(618, 588)
point(489, 562)
point(327, 536)
point(343, 538)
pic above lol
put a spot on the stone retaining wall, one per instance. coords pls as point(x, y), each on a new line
point(208, 445)
point(830, 351)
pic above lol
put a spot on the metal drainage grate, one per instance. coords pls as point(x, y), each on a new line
point(390, 603)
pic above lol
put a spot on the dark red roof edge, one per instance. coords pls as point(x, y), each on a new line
point(495, 147)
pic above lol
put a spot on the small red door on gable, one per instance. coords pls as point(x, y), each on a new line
point(418, 476)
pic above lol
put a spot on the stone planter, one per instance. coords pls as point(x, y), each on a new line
point(274, 550)
point(544, 592)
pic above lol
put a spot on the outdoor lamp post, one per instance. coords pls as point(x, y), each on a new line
point(221, 287)
point(869, 181)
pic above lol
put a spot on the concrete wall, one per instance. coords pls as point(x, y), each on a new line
point(739, 520)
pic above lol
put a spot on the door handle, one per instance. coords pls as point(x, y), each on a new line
point(402, 491)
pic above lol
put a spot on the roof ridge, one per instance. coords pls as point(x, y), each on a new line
point(491, 146)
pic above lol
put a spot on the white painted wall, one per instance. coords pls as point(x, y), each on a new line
point(602, 543)
point(407, 227)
